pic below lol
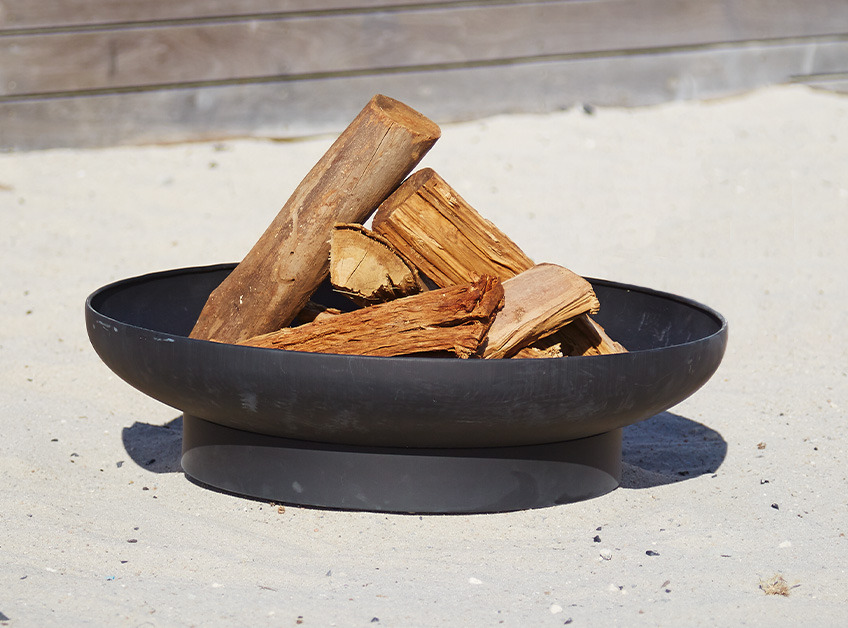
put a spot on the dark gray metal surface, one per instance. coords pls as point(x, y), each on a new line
point(394, 479)
point(139, 328)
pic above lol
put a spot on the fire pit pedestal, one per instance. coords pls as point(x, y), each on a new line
point(398, 479)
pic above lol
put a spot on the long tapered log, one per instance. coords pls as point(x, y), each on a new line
point(363, 166)
point(453, 320)
point(430, 224)
point(537, 303)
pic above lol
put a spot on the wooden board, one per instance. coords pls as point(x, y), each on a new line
point(103, 72)
point(303, 46)
point(301, 108)
point(50, 14)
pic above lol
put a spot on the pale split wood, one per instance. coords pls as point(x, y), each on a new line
point(430, 224)
point(537, 303)
point(365, 267)
point(454, 320)
point(584, 336)
point(363, 166)
point(539, 350)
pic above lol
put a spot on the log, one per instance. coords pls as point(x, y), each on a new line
point(454, 319)
point(539, 350)
point(537, 303)
point(450, 242)
point(313, 311)
point(584, 336)
point(364, 165)
point(447, 239)
point(365, 267)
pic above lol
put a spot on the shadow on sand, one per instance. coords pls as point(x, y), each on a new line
point(157, 448)
point(664, 449)
point(669, 448)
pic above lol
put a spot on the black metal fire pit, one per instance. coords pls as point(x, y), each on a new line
point(402, 434)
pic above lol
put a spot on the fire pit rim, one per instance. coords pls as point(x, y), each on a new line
point(98, 293)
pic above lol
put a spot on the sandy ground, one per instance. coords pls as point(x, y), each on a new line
point(741, 204)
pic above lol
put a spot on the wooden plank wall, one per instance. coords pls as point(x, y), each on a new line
point(104, 72)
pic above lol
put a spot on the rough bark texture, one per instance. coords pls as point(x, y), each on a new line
point(365, 267)
point(276, 278)
point(454, 319)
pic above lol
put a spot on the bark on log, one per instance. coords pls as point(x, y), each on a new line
point(365, 267)
point(454, 319)
point(537, 303)
point(362, 167)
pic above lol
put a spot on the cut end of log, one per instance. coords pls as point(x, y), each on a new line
point(404, 115)
point(365, 267)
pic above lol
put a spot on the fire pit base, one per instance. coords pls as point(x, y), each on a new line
point(397, 479)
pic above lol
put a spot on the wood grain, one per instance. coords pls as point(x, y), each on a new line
point(31, 14)
point(367, 269)
point(452, 320)
point(291, 258)
point(537, 302)
point(430, 224)
point(338, 43)
point(293, 106)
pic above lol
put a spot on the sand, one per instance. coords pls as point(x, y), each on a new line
point(741, 204)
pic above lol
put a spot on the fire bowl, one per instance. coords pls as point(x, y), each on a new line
point(402, 434)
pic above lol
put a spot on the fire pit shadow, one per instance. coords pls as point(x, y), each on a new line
point(156, 448)
point(669, 448)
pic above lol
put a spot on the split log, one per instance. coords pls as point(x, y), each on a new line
point(450, 242)
point(584, 336)
point(276, 278)
point(365, 267)
point(447, 239)
point(454, 319)
point(537, 303)
point(540, 350)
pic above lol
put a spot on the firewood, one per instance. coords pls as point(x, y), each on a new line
point(313, 311)
point(430, 224)
point(365, 267)
point(584, 336)
point(540, 350)
point(363, 166)
point(438, 231)
point(537, 303)
point(454, 319)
